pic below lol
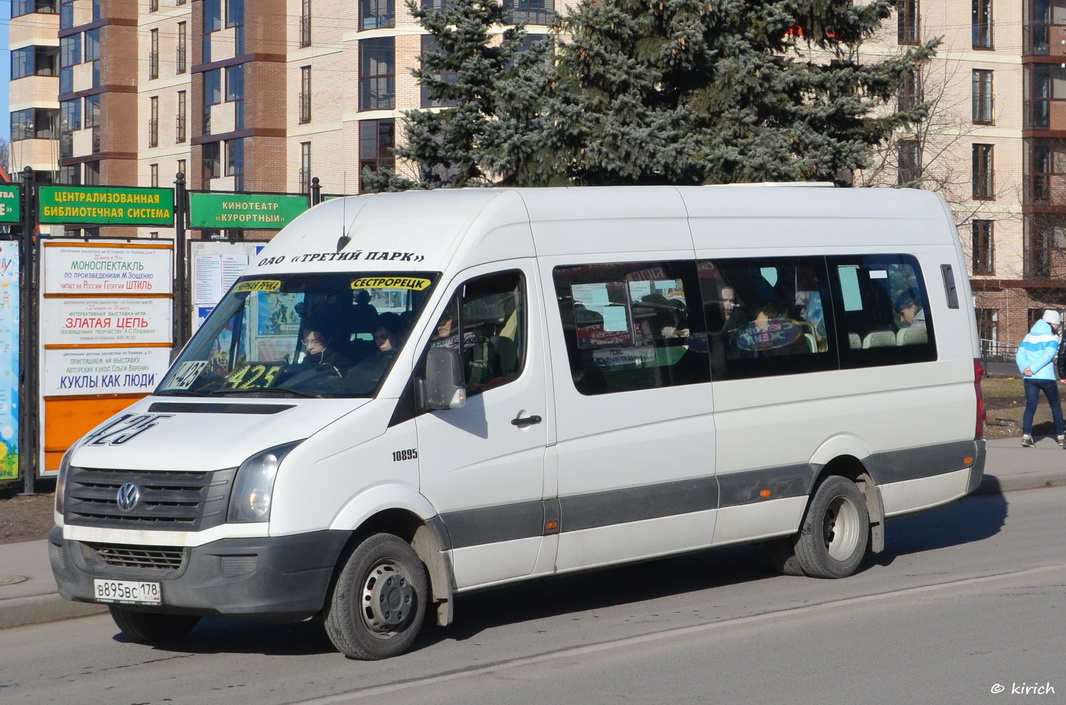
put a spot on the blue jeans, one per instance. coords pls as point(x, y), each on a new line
point(1033, 387)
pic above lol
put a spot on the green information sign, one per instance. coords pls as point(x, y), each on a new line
point(10, 204)
point(243, 210)
point(105, 205)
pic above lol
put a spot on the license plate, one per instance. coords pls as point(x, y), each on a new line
point(132, 592)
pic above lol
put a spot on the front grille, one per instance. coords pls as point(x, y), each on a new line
point(153, 558)
point(169, 501)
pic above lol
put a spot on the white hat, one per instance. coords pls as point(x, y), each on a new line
point(1053, 317)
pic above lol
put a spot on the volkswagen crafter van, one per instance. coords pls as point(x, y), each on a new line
point(411, 396)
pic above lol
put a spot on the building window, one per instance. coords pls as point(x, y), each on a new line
point(235, 93)
point(212, 95)
point(92, 174)
point(429, 44)
point(1046, 168)
point(26, 7)
point(1044, 88)
point(212, 23)
point(179, 134)
point(982, 24)
point(529, 11)
point(910, 93)
point(153, 121)
point(305, 23)
point(212, 162)
point(909, 157)
point(235, 162)
point(987, 325)
point(377, 74)
point(305, 94)
point(34, 123)
point(92, 53)
point(182, 50)
point(376, 141)
point(907, 30)
point(982, 97)
point(70, 175)
point(153, 175)
point(305, 167)
point(34, 61)
point(235, 19)
point(983, 252)
point(377, 13)
point(983, 175)
point(153, 54)
point(69, 121)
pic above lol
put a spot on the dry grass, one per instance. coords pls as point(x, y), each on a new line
point(1005, 404)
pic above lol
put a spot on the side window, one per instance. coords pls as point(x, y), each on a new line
point(766, 316)
point(883, 310)
point(632, 325)
point(487, 319)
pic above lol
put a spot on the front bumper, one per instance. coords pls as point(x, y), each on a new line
point(286, 577)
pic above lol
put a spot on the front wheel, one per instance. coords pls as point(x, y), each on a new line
point(835, 532)
point(152, 627)
point(379, 602)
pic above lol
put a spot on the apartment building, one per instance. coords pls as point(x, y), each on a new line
point(263, 95)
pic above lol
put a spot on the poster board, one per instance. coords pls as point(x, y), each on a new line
point(106, 330)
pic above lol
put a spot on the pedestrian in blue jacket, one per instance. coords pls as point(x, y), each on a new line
point(1036, 361)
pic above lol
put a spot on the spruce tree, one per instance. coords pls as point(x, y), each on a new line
point(685, 91)
point(469, 56)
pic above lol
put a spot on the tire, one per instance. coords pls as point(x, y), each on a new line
point(836, 530)
point(152, 627)
point(379, 602)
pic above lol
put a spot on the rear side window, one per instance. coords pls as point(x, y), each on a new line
point(632, 326)
point(883, 310)
point(767, 316)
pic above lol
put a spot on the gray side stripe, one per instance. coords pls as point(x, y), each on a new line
point(587, 511)
point(916, 463)
point(474, 527)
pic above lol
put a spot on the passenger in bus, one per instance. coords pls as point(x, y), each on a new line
point(910, 311)
point(364, 315)
point(317, 341)
point(364, 376)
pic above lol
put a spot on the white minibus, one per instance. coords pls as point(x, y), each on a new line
point(410, 396)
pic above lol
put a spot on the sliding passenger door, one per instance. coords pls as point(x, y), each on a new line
point(635, 458)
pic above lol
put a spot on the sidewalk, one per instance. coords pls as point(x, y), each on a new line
point(28, 592)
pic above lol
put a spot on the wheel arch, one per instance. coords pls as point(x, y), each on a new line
point(410, 516)
point(842, 455)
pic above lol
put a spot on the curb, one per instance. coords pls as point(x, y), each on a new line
point(41, 609)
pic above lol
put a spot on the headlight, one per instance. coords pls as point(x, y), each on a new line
point(254, 486)
point(61, 483)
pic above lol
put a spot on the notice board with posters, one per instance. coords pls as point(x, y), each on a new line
point(9, 359)
point(106, 327)
point(214, 265)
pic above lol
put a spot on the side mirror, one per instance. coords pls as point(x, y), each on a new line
point(443, 386)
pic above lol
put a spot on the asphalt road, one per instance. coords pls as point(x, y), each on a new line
point(966, 599)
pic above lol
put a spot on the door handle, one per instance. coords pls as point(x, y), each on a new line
point(522, 421)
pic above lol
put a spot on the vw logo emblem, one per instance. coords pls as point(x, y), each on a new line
point(128, 496)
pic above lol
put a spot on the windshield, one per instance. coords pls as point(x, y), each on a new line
point(316, 335)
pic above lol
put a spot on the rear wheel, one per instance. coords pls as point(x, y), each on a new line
point(835, 532)
point(379, 602)
point(152, 627)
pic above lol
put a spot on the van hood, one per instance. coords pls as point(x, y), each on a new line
point(167, 433)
